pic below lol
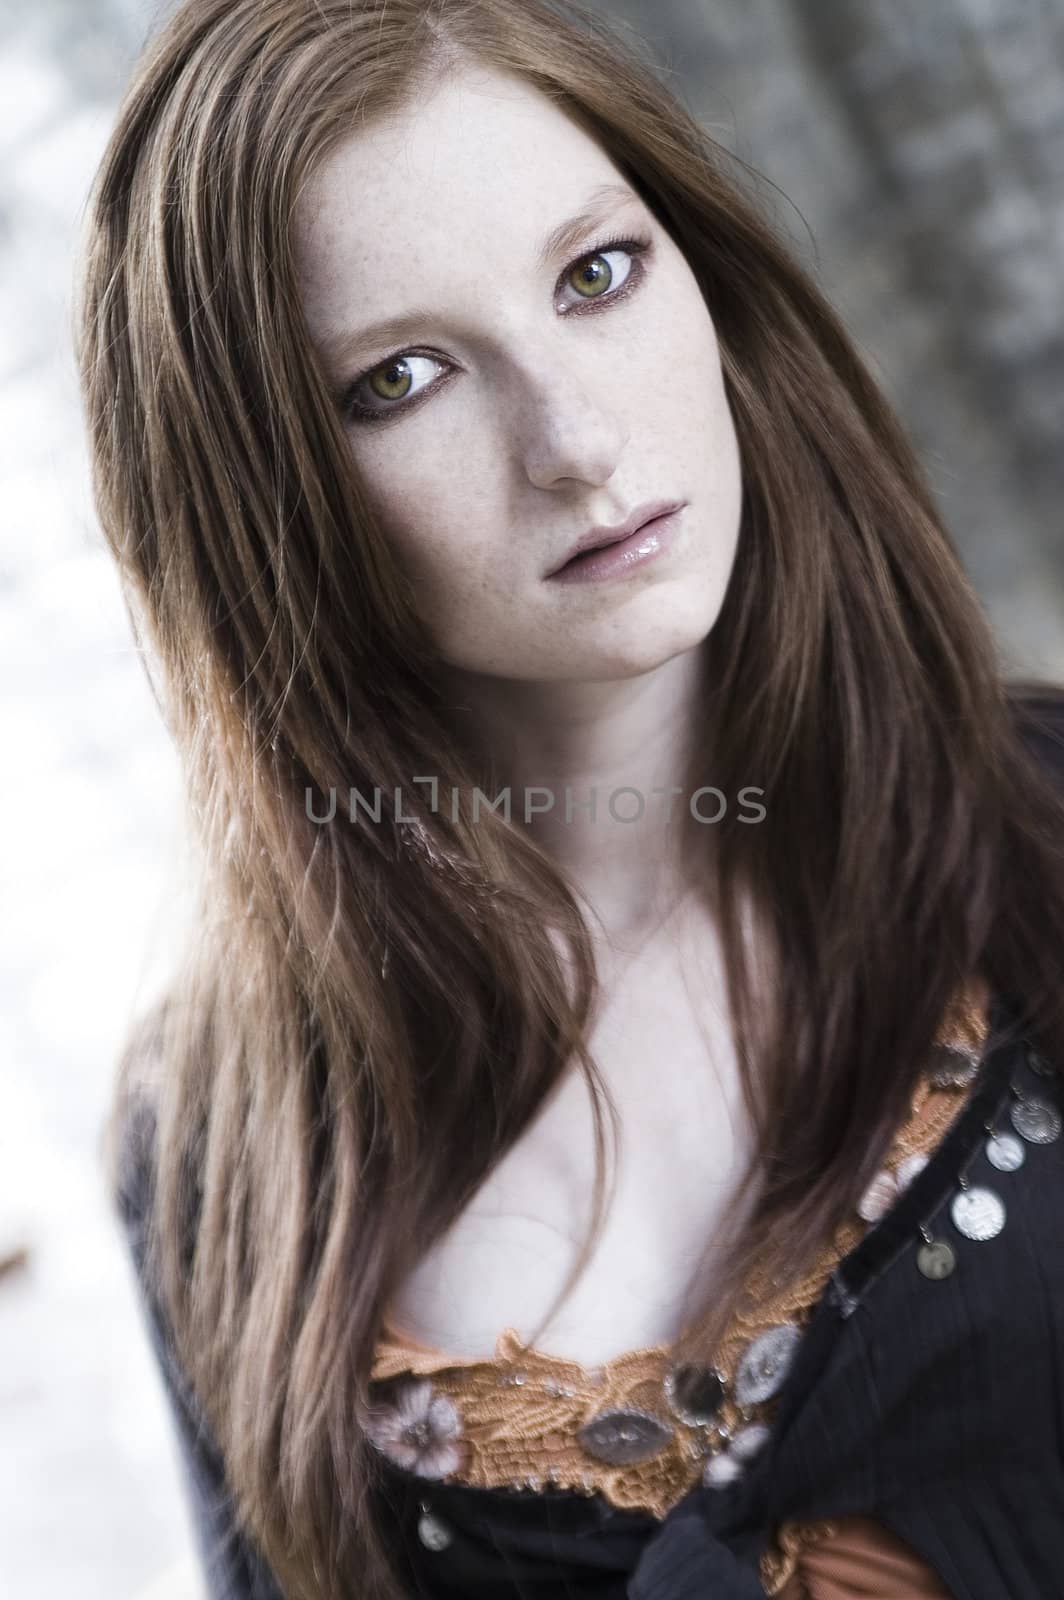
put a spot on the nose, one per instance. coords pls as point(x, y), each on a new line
point(570, 431)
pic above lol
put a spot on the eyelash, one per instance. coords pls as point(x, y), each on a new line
point(637, 247)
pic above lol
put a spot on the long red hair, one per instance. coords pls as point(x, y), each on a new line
point(317, 1126)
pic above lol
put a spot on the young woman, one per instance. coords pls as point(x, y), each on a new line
point(582, 707)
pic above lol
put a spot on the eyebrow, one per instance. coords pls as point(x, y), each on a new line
point(566, 236)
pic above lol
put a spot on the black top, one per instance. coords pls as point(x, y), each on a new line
point(935, 1405)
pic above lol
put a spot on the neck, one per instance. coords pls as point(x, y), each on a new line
point(590, 767)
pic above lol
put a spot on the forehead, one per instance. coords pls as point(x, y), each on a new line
point(474, 155)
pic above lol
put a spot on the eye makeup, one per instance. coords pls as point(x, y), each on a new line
point(639, 248)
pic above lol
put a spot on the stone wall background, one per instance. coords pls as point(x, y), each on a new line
point(923, 145)
point(918, 154)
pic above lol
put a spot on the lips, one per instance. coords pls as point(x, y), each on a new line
point(602, 535)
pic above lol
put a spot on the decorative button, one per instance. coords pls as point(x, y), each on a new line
point(878, 1197)
point(766, 1362)
point(907, 1170)
point(954, 1066)
point(721, 1469)
point(623, 1438)
point(749, 1442)
point(433, 1532)
point(886, 1186)
point(695, 1393)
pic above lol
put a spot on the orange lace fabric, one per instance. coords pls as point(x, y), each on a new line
point(846, 1557)
point(513, 1420)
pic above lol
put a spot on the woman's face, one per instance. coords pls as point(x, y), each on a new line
point(529, 393)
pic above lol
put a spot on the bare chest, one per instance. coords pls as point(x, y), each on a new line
point(666, 1051)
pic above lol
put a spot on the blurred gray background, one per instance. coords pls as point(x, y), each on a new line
point(917, 154)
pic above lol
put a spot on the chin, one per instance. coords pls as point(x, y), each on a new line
point(629, 658)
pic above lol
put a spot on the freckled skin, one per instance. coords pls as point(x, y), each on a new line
point(553, 420)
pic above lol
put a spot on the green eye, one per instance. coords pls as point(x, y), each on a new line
point(392, 381)
point(391, 384)
point(593, 276)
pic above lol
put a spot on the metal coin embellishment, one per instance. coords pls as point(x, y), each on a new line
point(766, 1362)
point(433, 1531)
point(1036, 1120)
point(978, 1213)
point(1005, 1151)
point(937, 1259)
point(1039, 1064)
point(623, 1438)
point(694, 1393)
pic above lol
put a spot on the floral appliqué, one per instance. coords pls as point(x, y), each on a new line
point(418, 1429)
point(526, 1414)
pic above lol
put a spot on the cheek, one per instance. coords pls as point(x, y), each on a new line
point(440, 570)
point(681, 382)
point(440, 524)
point(412, 513)
point(451, 571)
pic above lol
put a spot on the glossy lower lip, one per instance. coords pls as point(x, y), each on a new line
point(614, 560)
